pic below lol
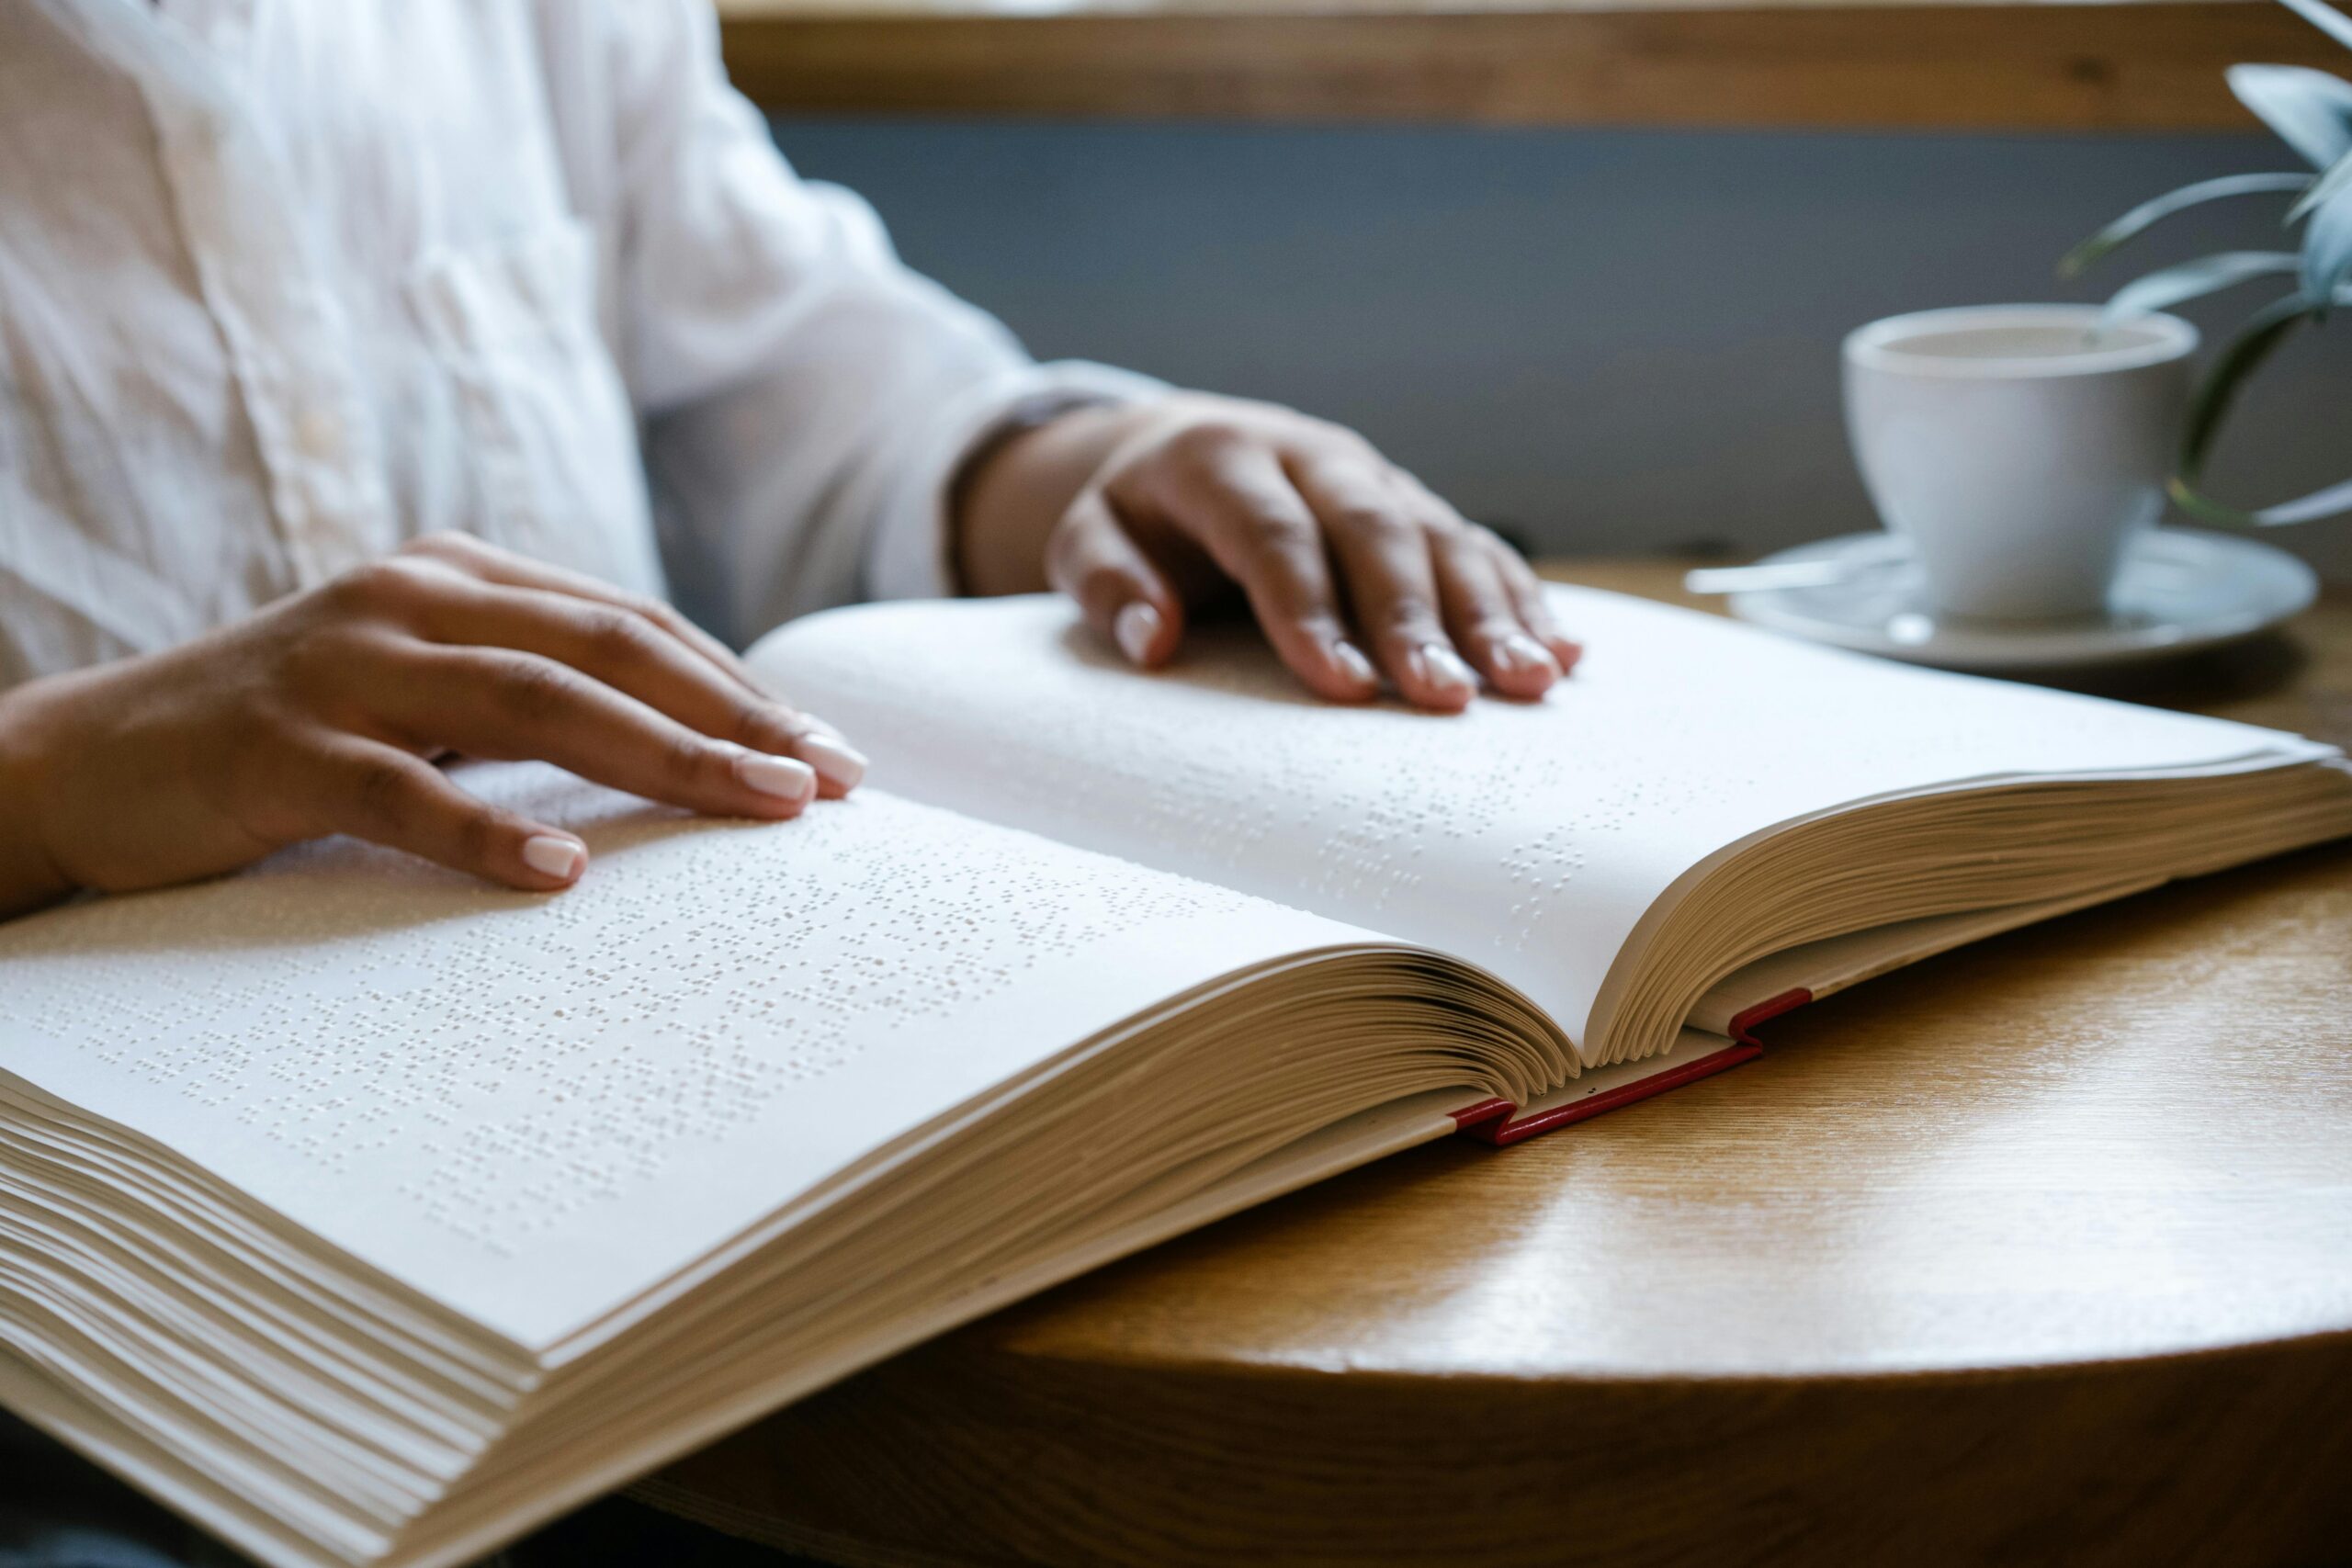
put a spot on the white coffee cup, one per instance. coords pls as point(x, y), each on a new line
point(2020, 449)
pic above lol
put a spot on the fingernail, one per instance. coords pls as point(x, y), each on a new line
point(551, 856)
point(779, 776)
point(1437, 665)
point(836, 762)
point(1351, 659)
point(1520, 653)
point(1136, 627)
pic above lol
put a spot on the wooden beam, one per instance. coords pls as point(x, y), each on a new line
point(2023, 64)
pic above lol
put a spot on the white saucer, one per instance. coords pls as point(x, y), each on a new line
point(2181, 590)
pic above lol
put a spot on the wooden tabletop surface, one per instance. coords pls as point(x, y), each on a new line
point(2037, 1252)
point(2002, 64)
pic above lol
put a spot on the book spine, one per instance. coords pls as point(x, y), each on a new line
point(1492, 1122)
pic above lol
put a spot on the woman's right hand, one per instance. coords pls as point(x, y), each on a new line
point(324, 714)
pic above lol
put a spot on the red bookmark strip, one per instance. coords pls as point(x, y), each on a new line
point(1480, 1114)
point(1490, 1120)
point(1743, 1025)
point(1497, 1128)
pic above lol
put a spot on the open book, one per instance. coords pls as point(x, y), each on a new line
point(369, 1215)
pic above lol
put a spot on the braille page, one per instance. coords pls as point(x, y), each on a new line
point(1528, 838)
point(530, 1108)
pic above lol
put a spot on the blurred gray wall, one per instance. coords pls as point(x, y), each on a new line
point(1604, 340)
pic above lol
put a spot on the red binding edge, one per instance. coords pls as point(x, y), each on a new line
point(1744, 1025)
point(1490, 1121)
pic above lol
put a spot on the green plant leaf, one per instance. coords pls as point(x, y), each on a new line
point(2210, 405)
point(2205, 509)
point(2311, 110)
point(2151, 212)
point(2338, 177)
point(2190, 280)
point(2334, 501)
point(2326, 18)
point(2327, 247)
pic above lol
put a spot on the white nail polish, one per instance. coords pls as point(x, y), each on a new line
point(835, 760)
point(551, 856)
point(779, 776)
point(1351, 659)
point(1441, 666)
point(1136, 627)
point(1518, 653)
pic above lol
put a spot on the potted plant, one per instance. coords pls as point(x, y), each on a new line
point(2312, 112)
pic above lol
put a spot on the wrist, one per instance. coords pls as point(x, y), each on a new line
point(30, 876)
point(1016, 485)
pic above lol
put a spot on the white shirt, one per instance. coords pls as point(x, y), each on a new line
point(285, 282)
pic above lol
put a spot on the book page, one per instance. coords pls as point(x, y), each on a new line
point(531, 1107)
point(1526, 837)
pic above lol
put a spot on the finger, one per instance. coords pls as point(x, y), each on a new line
point(1534, 610)
point(506, 705)
point(1091, 558)
point(1519, 582)
point(1231, 497)
point(632, 654)
point(493, 564)
point(1483, 620)
point(1383, 556)
point(386, 796)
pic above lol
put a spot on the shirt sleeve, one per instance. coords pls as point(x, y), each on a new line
point(805, 399)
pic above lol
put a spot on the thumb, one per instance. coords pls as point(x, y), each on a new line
point(1126, 599)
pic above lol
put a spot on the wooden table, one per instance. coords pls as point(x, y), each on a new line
point(2039, 1252)
point(2005, 65)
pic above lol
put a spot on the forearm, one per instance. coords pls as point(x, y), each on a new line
point(28, 877)
point(1009, 499)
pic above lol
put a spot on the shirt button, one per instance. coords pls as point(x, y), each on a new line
point(320, 435)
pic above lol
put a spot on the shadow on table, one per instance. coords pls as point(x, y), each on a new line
point(2239, 672)
point(58, 1511)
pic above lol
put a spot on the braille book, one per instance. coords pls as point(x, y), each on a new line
point(370, 1214)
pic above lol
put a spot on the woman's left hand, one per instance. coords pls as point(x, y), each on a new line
point(1351, 566)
